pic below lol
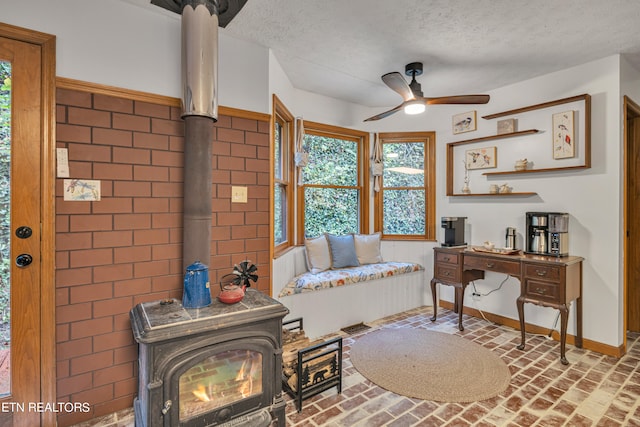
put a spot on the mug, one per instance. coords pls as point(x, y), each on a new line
point(493, 189)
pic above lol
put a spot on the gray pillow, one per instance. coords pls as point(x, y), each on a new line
point(343, 251)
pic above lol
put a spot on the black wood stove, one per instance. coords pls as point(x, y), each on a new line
point(214, 366)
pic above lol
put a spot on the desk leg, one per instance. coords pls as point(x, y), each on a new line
point(435, 299)
point(579, 322)
point(520, 304)
point(564, 320)
point(460, 304)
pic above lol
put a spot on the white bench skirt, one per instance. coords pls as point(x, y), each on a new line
point(329, 310)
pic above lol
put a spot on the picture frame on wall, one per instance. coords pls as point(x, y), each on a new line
point(464, 122)
point(481, 158)
point(562, 125)
point(506, 126)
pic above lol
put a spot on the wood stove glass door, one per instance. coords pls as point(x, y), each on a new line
point(220, 380)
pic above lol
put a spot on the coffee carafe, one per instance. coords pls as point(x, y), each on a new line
point(539, 241)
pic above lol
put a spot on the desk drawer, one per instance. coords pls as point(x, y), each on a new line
point(542, 290)
point(492, 264)
point(542, 272)
point(449, 258)
point(447, 273)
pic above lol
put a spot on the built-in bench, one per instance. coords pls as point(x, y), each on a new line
point(308, 282)
point(336, 298)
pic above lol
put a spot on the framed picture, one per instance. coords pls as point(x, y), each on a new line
point(563, 135)
point(480, 158)
point(464, 122)
point(506, 126)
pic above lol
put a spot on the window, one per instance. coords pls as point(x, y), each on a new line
point(405, 204)
point(283, 177)
point(335, 190)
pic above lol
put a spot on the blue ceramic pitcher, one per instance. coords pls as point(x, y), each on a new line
point(196, 286)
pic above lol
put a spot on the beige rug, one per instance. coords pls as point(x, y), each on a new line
point(429, 365)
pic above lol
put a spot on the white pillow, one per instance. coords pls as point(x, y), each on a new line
point(317, 253)
point(368, 248)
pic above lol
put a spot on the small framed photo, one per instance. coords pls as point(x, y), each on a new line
point(464, 122)
point(480, 158)
point(563, 135)
point(506, 126)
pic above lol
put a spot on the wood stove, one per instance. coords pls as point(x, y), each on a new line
point(214, 366)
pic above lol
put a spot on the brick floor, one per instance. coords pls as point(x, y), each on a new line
point(593, 390)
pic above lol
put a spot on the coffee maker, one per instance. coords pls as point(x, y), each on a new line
point(453, 230)
point(547, 233)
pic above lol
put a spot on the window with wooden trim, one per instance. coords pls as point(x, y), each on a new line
point(405, 204)
point(283, 177)
point(334, 197)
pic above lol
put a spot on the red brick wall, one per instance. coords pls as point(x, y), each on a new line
point(127, 247)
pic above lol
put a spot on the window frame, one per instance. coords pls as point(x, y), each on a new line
point(281, 115)
point(429, 140)
point(362, 140)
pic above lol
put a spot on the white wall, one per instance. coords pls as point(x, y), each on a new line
point(123, 45)
point(134, 47)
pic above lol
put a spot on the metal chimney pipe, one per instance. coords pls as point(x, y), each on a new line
point(200, 111)
point(200, 21)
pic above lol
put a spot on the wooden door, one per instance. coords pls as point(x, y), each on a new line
point(27, 373)
point(632, 220)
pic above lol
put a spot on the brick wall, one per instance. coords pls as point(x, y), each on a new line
point(127, 247)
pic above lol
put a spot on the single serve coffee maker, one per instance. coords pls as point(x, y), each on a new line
point(547, 233)
point(453, 230)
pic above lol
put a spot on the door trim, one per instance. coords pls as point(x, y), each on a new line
point(47, 44)
point(630, 110)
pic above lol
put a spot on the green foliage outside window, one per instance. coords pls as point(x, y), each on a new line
point(404, 206)
point(5, 193)
point(331, 196)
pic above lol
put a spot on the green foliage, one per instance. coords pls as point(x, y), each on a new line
point(5, 191)
point(404, 210)
point(332, 163)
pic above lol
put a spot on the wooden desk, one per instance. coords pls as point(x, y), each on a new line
point(544, 280)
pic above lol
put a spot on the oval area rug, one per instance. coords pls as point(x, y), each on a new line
point(429, 365)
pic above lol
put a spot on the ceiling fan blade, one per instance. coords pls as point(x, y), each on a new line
point(385, 114)
point(396, 82)
point(460, 99)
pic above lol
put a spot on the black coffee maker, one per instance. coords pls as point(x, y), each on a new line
point(453, 230)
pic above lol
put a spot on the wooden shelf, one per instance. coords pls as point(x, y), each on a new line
point(524, 194)
point(514, 172)
point(493, 137)
point(537, 106)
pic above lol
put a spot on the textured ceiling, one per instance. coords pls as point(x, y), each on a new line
point(340, 48)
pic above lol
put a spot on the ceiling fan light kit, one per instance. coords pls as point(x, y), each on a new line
point(414, 107)
point(414, 101)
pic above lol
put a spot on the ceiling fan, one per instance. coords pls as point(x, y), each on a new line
point(414, 101)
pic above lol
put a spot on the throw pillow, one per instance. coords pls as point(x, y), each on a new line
point(317, 253)
point(368, 248)
point(343, 251)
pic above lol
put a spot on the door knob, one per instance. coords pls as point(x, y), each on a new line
point(24, 260)
point(24, 232)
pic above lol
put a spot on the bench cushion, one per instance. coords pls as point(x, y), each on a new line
point(309, 282)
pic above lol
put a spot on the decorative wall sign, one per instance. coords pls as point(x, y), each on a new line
point(563, 131)
point(480, 158)
point(85, 190)
point(464, 122)
point(506, 126)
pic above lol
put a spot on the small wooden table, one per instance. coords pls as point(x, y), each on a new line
point(544, 280)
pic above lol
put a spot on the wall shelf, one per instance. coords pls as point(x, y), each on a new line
point(586, 132)
point(521, 194)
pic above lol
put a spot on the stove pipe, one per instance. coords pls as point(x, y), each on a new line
point(200, 21)
point(199, 111)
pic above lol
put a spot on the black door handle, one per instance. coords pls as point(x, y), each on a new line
point(24, 260)
point(24, 232)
